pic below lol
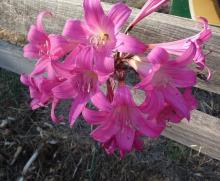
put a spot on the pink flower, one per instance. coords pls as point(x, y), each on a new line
point(40, 92)
point(149, 7)
point(100, 32)
point(81, 86)
point(121, 122)
point(169, 113)
point(111, 145)
point(180, 46)
point(163, 79)
point(42, 45)
point(47, 48)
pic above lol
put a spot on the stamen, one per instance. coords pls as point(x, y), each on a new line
point(99, 39)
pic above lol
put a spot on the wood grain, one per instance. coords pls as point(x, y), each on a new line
point(202, 133)
point(11, 58)
point(18, 15)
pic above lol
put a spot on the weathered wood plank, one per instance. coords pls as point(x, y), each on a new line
point(11, 58)
point(18, 15)
point(202, 133)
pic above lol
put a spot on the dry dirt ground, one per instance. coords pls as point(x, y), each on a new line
point(33, 148)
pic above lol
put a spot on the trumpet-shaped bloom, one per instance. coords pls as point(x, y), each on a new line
point(180, 46)
point(81, 86)
point(47, 48)
point(149, 7)
point(163, 79)
point(120, 122)
point(42, 45)
point(170, 114)
point(101, 32)
point(41, 92)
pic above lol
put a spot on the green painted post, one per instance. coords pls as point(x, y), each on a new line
point(180, 8)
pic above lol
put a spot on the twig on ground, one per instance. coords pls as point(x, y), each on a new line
point(32, 159)
point(77, 167)
point(17, 153)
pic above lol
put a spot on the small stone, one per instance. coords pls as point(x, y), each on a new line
point(4, 123)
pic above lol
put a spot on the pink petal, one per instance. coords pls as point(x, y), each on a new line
point(39, 23)
point(60, 46)
point(182, 77)
point(119, 14)
point(36, 36)
point(70, 60)
point(129, 44)
point(104, 65)
point(146, 83)
point(61, 70)
point(187, 57)
point(175, 98)
point(125, 138)
point(138, 143)
point(31, 51)
point(110, 146)
point(149, 7)
point(76, 109)
point(24, 79)
point(153, 104)
point(93, 12)
point(53, 115)
point(158, 56)
point(144, 126)
point(190, 99)
point(205, 34)
point(94, 117)
point(76, 30)
point(65, 90)
point(40, 67)
point(105, 132)
point(123, 96)
point(35, 104)
point(101, 102)
point(85, 58)
point(51, 74)
point(140, 65)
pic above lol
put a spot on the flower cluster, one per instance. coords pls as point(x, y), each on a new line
point(89, 62)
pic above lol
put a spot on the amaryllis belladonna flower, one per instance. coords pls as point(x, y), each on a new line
point(81, 85)
point(46, 48)
point(101, 32)
point(170, 114)
point(41, 93)
point(180, 46)
point(165, 77)
point(120, 121)
point(91, 62)
point(149, 7)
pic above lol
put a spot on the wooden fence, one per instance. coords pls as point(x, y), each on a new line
point(202, 133)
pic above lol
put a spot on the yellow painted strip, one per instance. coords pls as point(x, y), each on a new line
point(205, 8)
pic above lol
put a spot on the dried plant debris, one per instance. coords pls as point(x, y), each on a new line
point(12, 37)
